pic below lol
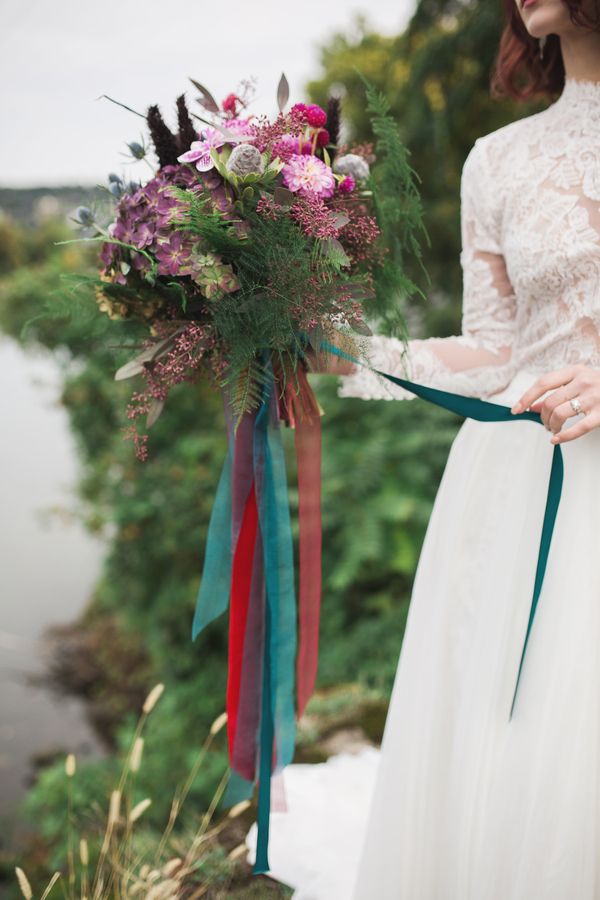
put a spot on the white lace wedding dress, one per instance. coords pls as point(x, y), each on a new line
point(462, 803)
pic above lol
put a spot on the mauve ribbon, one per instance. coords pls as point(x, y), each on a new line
point(304, 415)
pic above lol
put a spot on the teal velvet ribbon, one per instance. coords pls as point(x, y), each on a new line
point(485, 411)
point(213, 594)
point(277, 709)
point(277, 718)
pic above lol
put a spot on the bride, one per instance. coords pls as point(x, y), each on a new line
point(468, 803)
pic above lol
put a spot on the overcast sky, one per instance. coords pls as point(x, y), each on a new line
point(57, 57)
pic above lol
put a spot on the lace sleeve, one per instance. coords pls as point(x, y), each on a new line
point(479, 361)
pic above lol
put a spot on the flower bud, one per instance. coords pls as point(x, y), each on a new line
point(136, 150)
point(84, 215)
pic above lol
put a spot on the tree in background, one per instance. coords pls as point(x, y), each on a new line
point(436, 77)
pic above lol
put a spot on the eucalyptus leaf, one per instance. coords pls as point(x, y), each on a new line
point(154, 410)
point(360, 327)
point(336, 251)
point(356, 290)
point(231, 136)
point(207, 101)
point(341, 219)
point(283, 197)
point(283, 92)
point(136, 365)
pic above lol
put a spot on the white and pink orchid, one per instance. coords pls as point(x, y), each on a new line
point(199, 152)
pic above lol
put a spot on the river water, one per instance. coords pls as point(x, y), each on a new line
point(49, 565)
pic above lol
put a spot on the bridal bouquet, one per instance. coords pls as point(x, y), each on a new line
point(255, 240)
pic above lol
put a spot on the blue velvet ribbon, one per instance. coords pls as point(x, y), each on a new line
point(485, 411)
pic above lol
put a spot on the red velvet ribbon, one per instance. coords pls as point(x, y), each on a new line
point(241, 580)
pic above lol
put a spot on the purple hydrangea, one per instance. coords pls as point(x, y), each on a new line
point(174, 254)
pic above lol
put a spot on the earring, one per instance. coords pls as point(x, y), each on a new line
point(541, 45)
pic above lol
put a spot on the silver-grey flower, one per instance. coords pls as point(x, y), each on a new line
point(245, 159)
point(352, 164)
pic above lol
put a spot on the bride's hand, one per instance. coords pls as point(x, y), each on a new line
point(328, 363)
point(581, 382)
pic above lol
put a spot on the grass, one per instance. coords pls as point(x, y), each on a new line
point(117, 859)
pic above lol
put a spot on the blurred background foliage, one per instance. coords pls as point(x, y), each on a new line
point(382, 461)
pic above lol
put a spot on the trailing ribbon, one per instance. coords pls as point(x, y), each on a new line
point(248, 564)
point(485, 411)
point(299, 407)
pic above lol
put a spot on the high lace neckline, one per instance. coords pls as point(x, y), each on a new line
point(581, 96)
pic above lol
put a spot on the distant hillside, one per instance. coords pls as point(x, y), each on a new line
point(29, 206)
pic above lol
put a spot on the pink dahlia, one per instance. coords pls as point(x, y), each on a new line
point(308, 176)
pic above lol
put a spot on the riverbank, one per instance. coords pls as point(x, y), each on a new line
point(50, 565)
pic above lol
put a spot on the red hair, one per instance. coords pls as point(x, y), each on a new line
point(519, 72)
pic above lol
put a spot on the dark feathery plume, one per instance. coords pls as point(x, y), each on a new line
point(165, 142)
point(334, 108)
point(187, 133)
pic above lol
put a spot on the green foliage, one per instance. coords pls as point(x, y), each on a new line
point(399, 214)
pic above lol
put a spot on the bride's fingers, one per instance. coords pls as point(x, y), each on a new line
point(554, 403)
point(559, 416)
point(587, 424)
point(545, 383)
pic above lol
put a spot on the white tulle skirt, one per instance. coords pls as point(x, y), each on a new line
point(462, 803)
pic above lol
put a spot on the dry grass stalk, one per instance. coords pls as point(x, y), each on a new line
point(24, 884)
point(139, 809)
point(50, 885)
point(120, 874)
point(216, 726)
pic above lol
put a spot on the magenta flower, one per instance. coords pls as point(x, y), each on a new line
point(311, 113)
point(316, 116)
point(346, 185)
point(308, 176)
point(323, 137)
point(229, 104)
point(199, 152)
